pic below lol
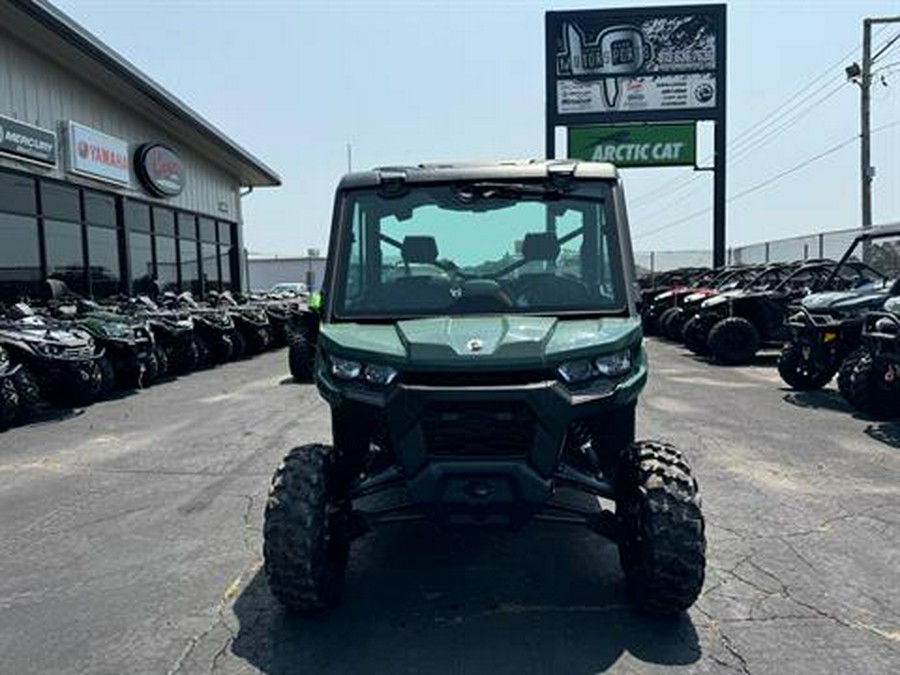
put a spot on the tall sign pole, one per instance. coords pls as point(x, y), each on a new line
point(719, 198)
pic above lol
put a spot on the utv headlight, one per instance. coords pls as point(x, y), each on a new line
point(380, 375)
point(576, 371)
point(613, 365)
point(118, 332)
point(345, 369)
point(608, 365)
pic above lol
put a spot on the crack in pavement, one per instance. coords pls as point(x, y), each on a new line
point(224, 604)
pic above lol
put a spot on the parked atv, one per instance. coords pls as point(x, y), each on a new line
point(213, 330)
point(9, 395)
point(56, 362)
point(253, 332)
point(873, 385)
point(483, 379)
point(655, 304)
point(173, 335)
point(825, 328)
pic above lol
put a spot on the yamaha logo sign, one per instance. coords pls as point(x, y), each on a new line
point(159, 169)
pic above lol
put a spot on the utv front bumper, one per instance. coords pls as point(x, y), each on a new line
point(488, 454)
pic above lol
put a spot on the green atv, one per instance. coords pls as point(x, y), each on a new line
point(481, 353)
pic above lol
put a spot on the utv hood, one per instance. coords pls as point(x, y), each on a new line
point(481, 341)
point(845, 301)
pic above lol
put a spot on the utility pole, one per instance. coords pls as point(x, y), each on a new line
point(864, 73)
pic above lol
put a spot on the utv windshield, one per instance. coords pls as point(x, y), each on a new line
point(478, 248)
point(871, 263)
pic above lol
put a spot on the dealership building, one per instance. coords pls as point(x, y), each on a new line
point(108, 181)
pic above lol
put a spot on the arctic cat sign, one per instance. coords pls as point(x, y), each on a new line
point(638, 145)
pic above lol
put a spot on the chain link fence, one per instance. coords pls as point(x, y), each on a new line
point(825, 245)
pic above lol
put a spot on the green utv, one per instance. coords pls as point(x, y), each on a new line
point(480, 350)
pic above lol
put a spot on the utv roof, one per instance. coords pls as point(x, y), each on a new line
point(500, 170)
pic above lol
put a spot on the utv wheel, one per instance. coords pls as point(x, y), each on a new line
point(733, 341)
point(695, 334)
point(82, 385)
point(801, 372)
point(665, 322)
point(872, 387)
point(663, 544)
point(29, 392)
point(305, 533)
point(185, 359)
point(845, 372)
point(676, 325)
point(301, 358)
point(9, 403)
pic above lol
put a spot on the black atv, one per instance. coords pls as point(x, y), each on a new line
point(173, 335)
point(57, 362)
point(873, 385)
point(213, 329)
point(479, 388)
point(9, 395)
point(253, 332)
point(826, 326)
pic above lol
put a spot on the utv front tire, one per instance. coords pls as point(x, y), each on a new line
point(801, 372)
point(305, 533)
point(301, 358)
point(696, 334)
point(871, 388)
point(733, 341)
point(662, 547)
point(845, 372)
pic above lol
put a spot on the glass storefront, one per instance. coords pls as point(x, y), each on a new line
point(103, 252)
point(20, 257)
point(64, 247)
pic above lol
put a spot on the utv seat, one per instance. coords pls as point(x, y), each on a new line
point(548, 288)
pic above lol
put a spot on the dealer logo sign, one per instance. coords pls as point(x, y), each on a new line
point(159, 169)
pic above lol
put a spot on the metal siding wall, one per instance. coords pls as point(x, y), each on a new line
point(39, 92)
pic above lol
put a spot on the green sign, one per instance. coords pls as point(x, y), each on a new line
point(635, 145)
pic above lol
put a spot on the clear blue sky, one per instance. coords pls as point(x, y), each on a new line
point(294, 82)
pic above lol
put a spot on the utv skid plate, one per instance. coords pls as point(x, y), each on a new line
point(486, 498)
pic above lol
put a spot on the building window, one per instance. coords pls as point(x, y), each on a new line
point(225, 267)
point(210, 264)
point(20, 259)
point(17, 193)
point(103, 254)
point(187, 226)
point(167, 263)
point(163, 222)
point(141, 254)
point(189, 266)
point(137, 216)
point(65, 254)
point(60, 201)
point(99, 208)
point(207, 229)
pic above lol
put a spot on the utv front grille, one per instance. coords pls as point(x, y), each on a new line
point(478, 430)
point(471, 378)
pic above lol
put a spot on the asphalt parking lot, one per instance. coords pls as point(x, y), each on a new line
point(130, 539)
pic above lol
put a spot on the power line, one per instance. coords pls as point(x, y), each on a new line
point(768, 181)
point(744, 138)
